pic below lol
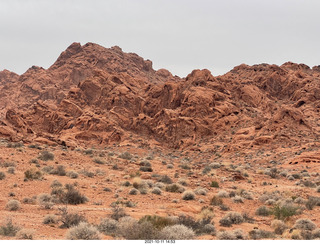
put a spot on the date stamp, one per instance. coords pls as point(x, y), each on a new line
point(160, 241)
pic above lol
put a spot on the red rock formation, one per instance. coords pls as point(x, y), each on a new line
point(93, 94)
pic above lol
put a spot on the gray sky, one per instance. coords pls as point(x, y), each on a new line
point(179, 35)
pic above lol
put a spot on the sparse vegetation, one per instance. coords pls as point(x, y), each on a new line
point(177, 232)
point(258, 234)
point(50, 219)
point(69, 219)
point(214, 184)
point(8, 228)
point(282, 212)
point(46, 156)
point(83, 231)
point(2, 175)
point(13, 205)
point(188, 195)
point(231, 218)
point(32, 174)
point(263, 211)
point(25, 234)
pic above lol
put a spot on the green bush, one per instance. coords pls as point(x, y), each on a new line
point(284, 211)
point(214, 184)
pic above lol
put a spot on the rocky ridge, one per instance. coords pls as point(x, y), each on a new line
point(97, 95)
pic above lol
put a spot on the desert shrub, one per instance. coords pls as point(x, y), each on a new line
point(9, 229)
point(156, 190)
point(188, 195)
point(312, 202)
point(304, 224)
point(139, 184)
point(2, 175)
point(237, 199)
point(131, 229)
point(223, 194)
point(72, 196)
point(83, 231)
point(108, 226)
point(316, 233)
point(25, 234)
point(165, 179)
point(231, 218)
point(13, 205)
point(216, 201)
point(263, 211)
point(159, 185)
point(174, 188)
point(299, 200)
point(275, 195)
point(224, 207)
point(177, 232)
point(146, 169)
point(46, 156)
point(284, 211)
point(133, 191)
point(11, 170)
point(270, 202)
point(214, 184)
point(196, 225)
point(200, 191)
point(99, 161)
point(33, 174)
point(206, 170)
point(50, 219)
point(236, 234)
point(215, 165)
point(125, 155)
point(45, 200)
point(59, 170)
point(209, 229)
point(279, 226)
point(158, 222)
point(226, 235)
point(69, 219)
point(318, 189)
point(182, 182)
point(170, 166)
point(258, 234)
point(117, 213)
point(29, 200)
point(308, 183)
point(72, 174)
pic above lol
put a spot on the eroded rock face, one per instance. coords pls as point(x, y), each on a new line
point(96, 95)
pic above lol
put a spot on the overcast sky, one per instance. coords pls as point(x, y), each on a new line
point(179, 35)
